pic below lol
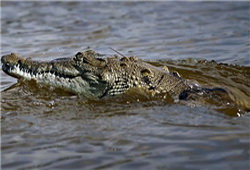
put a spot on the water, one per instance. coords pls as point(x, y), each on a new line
point(51, 129)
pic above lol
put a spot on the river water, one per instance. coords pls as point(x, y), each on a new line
point(51, 129)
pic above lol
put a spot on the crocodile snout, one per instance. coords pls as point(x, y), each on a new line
point(11, 59)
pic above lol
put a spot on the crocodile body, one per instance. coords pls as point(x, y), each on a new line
point(93, 76)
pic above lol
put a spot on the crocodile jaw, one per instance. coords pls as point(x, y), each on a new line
point(66, 76)
point(18, 72)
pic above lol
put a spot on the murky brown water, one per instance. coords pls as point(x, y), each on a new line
point(51, 129)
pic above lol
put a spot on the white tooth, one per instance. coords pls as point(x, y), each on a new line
point(20, 72)
point(24, 73)
point(17, 70)
point(51, 76)
point(40, 76)
point(29, 75)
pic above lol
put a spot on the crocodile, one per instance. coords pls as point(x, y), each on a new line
point(90, 74)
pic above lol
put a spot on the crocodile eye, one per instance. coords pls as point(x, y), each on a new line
point(78, 56)
point(81, 57)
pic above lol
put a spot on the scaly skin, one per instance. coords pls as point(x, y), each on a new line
point(92, 76)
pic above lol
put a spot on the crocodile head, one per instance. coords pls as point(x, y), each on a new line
point(80, 74)
point(88, 74)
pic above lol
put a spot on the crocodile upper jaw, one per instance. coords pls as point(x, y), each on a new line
point(61, 74)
